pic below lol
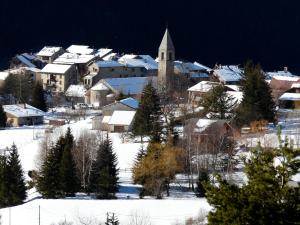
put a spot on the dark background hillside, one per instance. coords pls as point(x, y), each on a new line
point(208, 31)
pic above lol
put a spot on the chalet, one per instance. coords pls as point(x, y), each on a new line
point(194, 71)
point(26, 60)
point(280, 73)
point(80, 61)
point(23, 114)
point(103, 52)
point(119, 121)
point(58, 78)
point(127, 104)
point(196, 92)
point(105, 91)
point(291, 98)
point(130, 66)
point(227, 74)
point(49, 54)
point(281, 84)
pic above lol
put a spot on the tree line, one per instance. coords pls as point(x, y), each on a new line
point(64, 170)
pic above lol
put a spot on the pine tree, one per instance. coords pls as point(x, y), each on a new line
point(4, 186)
point(38, 97)
point(218, 102)
point(17, 189)
point(3, 117)
point(200, 190)
point(68, 176)
point(147, 120)
point(269, 197)
point(49, 182)
point(104, 176)
point(257, 103)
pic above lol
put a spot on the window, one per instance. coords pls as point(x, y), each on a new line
point(60, 82)
point(162, 56)
point(112, 69)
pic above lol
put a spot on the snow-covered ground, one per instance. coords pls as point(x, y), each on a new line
point(180, 205)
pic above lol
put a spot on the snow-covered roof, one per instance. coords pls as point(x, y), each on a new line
point(109, 63)
point(270, 75)
point(25, 61)
point(99, 87)
point(201, 66)
point(286, 78)
point(56, 68)
point(203, 86)
point(103, 52)
point(122, 118)
point(144, 61)
point(229, 73)
point(128, 56)
point(80, 49)
point(203, 124)
point(3, 75)
point(48, 51)
point(295, 85)
point(76, 91)
point(129, 85)
point(72, 58)
point(20, 111)
point(131, 102)
point(29, 56)
point(290, 97)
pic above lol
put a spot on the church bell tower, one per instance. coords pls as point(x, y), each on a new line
point(166, 56)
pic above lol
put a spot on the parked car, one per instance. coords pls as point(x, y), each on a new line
point(81, 106)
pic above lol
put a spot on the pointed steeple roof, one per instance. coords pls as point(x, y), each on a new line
point(166, 43)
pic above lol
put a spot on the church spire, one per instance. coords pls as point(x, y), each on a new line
point(167, 43)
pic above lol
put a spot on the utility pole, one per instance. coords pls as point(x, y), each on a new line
point(39, 215)
point(9, 211)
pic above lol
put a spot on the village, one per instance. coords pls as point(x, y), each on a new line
point(99, 94)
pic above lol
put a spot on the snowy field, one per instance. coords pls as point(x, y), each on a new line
point(181, 204)
point(178, 207)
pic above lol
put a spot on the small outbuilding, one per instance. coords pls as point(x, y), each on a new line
point(23, 114)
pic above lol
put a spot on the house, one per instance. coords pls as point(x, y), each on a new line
point(194, 71)
point(23, 114)
point(26, 60)
point(281, 84)
point(105, 91)
point(119, 121)
point(127, 104)
point(76, 93)
point(80, 61)
point(133, 66)
point(58, 78)
point(281, 73)
point(48, 54)
point(103, 52)
point(196, 92)
point(291, 98)
point(227, 74)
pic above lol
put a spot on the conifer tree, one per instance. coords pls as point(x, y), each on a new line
point(4, 185)
point(38, 97)
point(269, 197)
point(104, 176)
point(68, 176)
point(17, 189)
point(3, 117)
point(147, 119)
point(257, 103)
point(49, 182)
point(218, 102)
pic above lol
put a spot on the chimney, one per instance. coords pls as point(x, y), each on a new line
point(285, 69)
